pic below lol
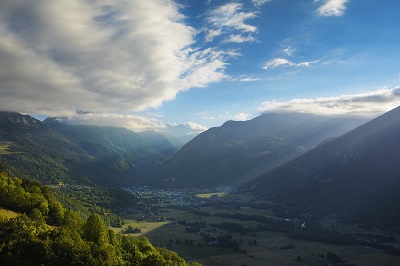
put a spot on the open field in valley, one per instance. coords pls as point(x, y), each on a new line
point(261, 248)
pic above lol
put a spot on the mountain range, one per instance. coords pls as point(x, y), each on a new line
point(240, 151)
point(337, 166)
point(42, 153)
point(121, 149)
point(355, 176)
point(52, 151)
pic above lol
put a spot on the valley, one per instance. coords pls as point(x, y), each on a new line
point(280, 189)
point(223, 228)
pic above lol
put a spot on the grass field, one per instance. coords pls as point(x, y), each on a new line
point(190, 217)
point(8, 214)
point(246, 211)
point(212, 194)
point(266, 252)
point(241, 196)
point(144, 226)
point(344, 228)
point(4, 147)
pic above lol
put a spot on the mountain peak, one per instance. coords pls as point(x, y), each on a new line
point(19, 119)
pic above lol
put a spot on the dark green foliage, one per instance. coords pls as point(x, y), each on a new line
point(23, 242)
point(333, 257)
point(131, 230)
point(229, 226)
point(87, 200)
point(316, 233)
point(20, 243)
point(290, 246)
point(30, 197)
point(71, 240)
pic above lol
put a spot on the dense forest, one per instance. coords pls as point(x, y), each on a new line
point(46, 233)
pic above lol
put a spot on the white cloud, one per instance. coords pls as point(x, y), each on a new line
point(230, 19)
point(241, 117)
point(230, 15)
point(227, 115)
point(332, 8)
point(279, 62)
point(196, 127)
point(211, 34)
point(246, 78)
point(240, 39)
point(131, 121)
point(368, 103)
point(100, 56)
point(307, 64)
point(259, 2)
point(289, 51)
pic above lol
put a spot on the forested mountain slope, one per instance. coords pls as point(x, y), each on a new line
point(119, 148)
point(237, 152)
point(44, 154)
point(356, 175)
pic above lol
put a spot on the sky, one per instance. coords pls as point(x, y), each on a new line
point(141, 64)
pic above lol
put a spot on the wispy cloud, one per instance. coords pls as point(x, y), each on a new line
point(240, 39)
point(246, 78)
point(259, 2)
point(102, 56)
point(232, 20)
point(332, 8)
point(289, 51)
point(368, 103)
point(225, 116)
point(281, 62)
point(196, 127)
point(212, 33)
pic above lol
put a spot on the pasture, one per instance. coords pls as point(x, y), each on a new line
point(266, 251)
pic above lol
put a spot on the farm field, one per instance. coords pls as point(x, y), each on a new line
point(258, 248)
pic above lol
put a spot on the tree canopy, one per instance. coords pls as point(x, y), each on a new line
point(45, 233)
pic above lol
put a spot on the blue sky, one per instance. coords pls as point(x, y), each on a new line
point(141, 64)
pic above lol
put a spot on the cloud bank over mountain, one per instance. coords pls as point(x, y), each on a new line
point(369, 103)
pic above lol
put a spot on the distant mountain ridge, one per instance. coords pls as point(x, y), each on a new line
point(179, 134)
point(356, 176)
point(120, 148)
point(41, 153)
point(51, 151)
point(237, 152)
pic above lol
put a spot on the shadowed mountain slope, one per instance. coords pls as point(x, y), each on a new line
point(356, 175)
point(44, 154)
point(122, 149)
point(237, 152)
